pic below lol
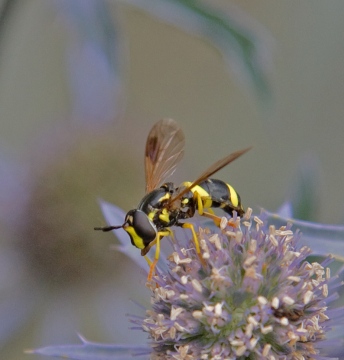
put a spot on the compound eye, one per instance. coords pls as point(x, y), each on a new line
point(142, 225)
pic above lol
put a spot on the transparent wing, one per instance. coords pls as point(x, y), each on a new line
point(164, 149)
point(212, 170)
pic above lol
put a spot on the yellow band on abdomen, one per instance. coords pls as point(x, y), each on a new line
point(206, 198)
point(234, 196)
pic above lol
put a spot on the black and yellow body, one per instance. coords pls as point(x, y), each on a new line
point(155, 214)
point(166, 205)
point(151, 216)
point(212, 193)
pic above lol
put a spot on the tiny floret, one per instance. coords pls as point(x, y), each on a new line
point(253, 296)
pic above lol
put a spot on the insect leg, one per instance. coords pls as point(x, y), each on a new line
point(149, 261)
point(146, 249)
point(213, 217)
point(210, 211)
point(198, 250)
point(217, 219)
point(209, 214)
point(203, 202)
point(199, 202)
point(160, 235)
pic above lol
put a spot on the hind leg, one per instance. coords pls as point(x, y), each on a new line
point(195, 240)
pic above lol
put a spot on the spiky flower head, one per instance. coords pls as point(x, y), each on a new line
point(256, 297)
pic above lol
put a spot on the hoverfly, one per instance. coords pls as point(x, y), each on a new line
point(165, 205)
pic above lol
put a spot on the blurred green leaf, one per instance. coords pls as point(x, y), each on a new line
point(223, 29)
point(304, 190)
point(240, 41)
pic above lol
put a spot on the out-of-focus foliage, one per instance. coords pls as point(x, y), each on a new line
point(55, 262)
point(94, 62)
point(304, 190)
point(244, 46)
point(56, 200)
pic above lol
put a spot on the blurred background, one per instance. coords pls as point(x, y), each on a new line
point(81, 84)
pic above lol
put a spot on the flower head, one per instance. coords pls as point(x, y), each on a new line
point(256, 297)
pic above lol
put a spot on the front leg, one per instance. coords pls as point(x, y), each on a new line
point(156, 242)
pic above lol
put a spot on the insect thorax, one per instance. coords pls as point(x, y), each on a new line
point(156, 206)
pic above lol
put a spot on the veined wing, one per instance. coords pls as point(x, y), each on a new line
point(212, 170)
point(164, 150)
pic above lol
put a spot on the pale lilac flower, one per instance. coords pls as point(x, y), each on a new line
point(256, 297)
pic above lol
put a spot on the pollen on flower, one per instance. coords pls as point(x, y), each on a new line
point(266, 350)
point(288, 300)
point(215, 239)
point(257, 220)
point(248, 214)
point(223, 223)
point(255, 296)
point(284, 321)
point(250, 260)
point(273, 240)
point(307, 297)
point(184, 279)
point(196, 285)
point(262, 300)
point(275, 303)
point(267, 329)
